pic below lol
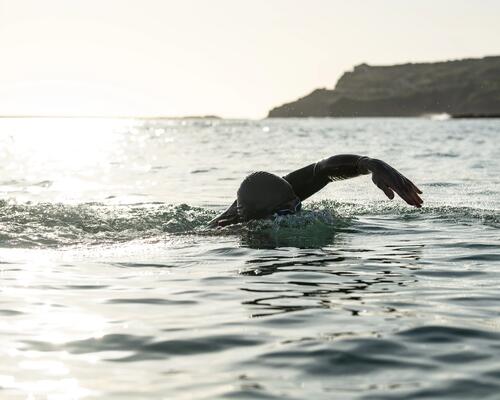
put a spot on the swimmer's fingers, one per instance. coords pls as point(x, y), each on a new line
point(412, 192)
point(396, 182)
point(405, 196)
point(417, 199)
point(413, 186)
point(416, 188)
point(407, 193)
point(405, 189)
point(413, 199)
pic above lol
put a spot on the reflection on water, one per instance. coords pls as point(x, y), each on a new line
point(319, 279)
point(308, 237)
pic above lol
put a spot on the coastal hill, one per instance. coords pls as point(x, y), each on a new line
point(460, 87)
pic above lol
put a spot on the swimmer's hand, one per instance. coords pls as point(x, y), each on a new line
point(389, 180)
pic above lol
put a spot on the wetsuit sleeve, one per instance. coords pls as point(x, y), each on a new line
point(228, 217)
point(310, 179)
point(305, 181)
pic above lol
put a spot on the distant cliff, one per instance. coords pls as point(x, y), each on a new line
point(461, 87)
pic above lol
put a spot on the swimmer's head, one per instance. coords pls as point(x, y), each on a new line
point(262, 194)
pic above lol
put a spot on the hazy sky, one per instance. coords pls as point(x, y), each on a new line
point(227, 57)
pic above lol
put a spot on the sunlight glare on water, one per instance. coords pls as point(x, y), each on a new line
point(60, 153)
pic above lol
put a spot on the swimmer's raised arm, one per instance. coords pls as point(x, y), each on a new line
point(262, 194)
point(345, 166)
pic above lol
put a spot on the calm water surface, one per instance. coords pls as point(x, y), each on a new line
point(112, 287)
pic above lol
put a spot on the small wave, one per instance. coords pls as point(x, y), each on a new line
point(53, 225)
point(442, 213)
point(318, 223)
point(141, 348)
point(315, 226)
point(49, 225)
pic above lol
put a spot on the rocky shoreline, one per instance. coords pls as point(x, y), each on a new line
point(468, 88)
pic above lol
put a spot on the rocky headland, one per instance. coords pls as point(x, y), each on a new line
point(469, 87)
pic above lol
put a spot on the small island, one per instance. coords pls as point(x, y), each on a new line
point(461, 88)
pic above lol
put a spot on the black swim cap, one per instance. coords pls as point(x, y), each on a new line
point(261, 193)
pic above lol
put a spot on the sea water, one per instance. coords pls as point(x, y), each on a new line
point(112, 287)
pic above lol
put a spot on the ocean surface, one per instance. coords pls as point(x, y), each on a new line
point(112, 287)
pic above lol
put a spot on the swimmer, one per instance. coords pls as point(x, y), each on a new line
point(264, 195)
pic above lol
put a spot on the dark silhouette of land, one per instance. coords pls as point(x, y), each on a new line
point(468, 88)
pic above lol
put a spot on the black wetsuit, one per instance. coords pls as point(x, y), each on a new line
point(308, 180)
